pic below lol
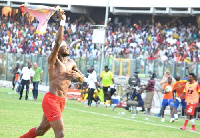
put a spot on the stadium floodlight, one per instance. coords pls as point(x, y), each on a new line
point(99, 35)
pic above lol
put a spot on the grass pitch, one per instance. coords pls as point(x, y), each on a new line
point(17, 117)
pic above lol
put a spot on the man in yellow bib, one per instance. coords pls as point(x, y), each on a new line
point(106, 80)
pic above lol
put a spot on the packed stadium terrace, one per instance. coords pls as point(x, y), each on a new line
point(171, 41)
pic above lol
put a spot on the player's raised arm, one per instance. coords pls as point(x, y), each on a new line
point(59, 36)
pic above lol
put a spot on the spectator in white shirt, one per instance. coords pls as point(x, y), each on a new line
point(6, 38)
point(26, 79)
point(140, 41)
point(161, 52)
point(73, 26)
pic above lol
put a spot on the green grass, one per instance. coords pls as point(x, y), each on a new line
point(17, 117)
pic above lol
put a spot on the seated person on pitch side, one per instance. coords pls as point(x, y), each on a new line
point(84, 93)
point(96, 94)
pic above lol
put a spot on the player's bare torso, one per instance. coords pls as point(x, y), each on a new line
point(59, 77)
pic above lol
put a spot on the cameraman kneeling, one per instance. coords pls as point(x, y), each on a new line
point(138, 94)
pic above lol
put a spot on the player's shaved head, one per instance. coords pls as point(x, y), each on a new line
point(35, 65)
point(29, 65)
point(64, 50)
point(178, 78)
point(169, 80)
point(106, 68)
point(167, 73)
point(91, 69)
point(191, 77)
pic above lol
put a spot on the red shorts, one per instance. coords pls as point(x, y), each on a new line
point(53, 106)
point(190, 108)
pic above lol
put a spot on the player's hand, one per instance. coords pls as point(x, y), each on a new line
point(76, 69)
point(164, 92)
point(40, 81)
point(62, 15)
point(75, 74)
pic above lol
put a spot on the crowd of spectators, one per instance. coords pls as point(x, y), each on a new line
point(173, 41)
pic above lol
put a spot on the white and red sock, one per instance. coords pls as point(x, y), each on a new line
point(192, 122)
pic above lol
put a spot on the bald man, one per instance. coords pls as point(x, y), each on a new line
point(37, 78)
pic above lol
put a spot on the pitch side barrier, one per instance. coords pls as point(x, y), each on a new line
point(119, 66)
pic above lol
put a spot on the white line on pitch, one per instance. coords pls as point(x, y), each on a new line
point(127, 119)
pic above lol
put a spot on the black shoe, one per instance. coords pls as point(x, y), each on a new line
point(26, 98)
point(20, 98)
point(142, 110)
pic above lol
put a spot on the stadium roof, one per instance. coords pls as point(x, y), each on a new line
point(190, 7)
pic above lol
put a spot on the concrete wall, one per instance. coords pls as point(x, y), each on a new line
point(119, 3)
point(178, 7)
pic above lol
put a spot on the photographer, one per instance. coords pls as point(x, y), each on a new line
point(136, 93)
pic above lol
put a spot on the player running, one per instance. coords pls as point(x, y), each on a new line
point(178, 88)
point(61, 71)
point(191, 93)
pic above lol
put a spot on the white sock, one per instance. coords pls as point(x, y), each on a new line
point(192, 121)
point(175, 116)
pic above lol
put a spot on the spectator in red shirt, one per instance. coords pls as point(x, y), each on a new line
point(151, 57)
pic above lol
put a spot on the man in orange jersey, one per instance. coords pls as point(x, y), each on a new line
point(191, 93)
point(178, 88)
point(167, 99)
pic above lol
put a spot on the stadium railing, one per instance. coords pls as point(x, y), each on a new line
point(121, 67)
